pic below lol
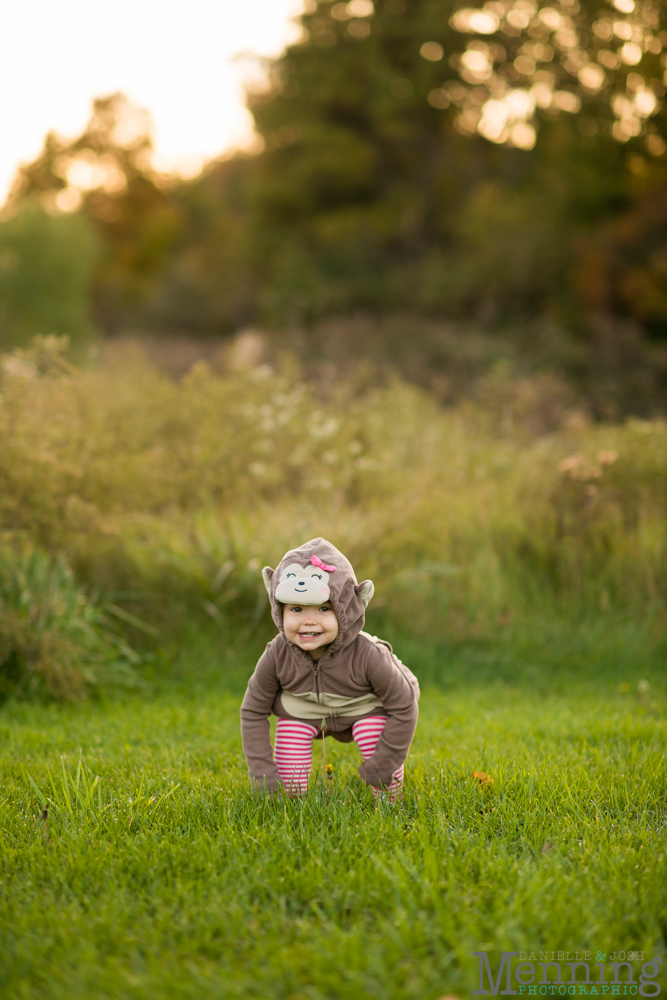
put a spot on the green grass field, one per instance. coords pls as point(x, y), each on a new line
point(169, 879)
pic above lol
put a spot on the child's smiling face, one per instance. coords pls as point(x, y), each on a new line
point(311, 627)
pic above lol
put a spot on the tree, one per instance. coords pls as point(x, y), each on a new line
point(106, 174)
point(46, 265)
point(386, 184)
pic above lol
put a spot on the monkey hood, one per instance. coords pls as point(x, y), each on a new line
point(314, 573)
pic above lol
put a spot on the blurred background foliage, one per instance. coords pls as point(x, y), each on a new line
point(47, 264)
point(427, 318)
point(499, 169)
point(167, 497)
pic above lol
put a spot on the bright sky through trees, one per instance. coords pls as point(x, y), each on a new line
point(172, 58)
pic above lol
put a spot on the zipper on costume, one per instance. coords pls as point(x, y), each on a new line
point(323, 727)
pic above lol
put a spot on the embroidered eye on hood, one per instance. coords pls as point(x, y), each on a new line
point(315, 573)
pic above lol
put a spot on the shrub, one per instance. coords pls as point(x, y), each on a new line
point(52, 636)
point(177, 492)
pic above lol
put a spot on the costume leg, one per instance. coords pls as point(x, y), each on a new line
point(366, 734)
point(293, 753)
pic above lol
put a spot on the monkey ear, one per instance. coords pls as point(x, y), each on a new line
point(365, 591)
point(267, 577)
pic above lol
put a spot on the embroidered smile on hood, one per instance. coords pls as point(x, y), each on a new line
point(316, 573)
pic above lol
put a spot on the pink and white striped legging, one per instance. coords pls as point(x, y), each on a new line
point(293, 751)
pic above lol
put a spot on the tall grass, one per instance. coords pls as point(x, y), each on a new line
point(170, 495)
point(54, 637)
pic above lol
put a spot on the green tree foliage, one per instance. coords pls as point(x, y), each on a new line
point(46, 265)
point(212, 282)
point(376, 189)
point(493, 165)
point(401, 171)
point(526, 60)
point(106, 174)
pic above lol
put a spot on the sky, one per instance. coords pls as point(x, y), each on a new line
point(176, 59)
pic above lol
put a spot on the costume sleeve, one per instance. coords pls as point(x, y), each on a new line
point(399, 700)
point(262, 689)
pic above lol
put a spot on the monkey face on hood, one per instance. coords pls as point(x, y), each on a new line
point(304, 586)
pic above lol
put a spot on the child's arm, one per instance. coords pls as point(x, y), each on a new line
point(262, 689)
point(400, 702)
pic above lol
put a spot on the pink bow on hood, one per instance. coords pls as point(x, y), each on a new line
point(318, 562)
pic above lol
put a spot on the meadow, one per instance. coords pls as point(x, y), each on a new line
point(168, 878)
point(518, 551)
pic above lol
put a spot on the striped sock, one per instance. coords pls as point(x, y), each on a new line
point(366, 734)
point(293, 753)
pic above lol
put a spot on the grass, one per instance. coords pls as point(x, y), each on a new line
point(520, 571)
point(169, 879)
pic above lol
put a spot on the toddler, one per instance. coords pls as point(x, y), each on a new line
point(324, 676)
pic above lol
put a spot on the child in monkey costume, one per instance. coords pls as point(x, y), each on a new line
point(323, 676)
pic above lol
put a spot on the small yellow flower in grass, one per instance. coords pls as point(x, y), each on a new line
point(329, 770)
point(485, 780)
